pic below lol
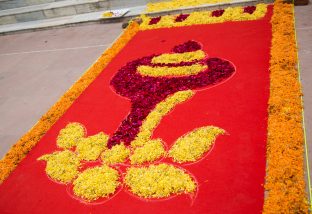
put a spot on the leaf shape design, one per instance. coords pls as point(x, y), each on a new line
point(61, 166)
point(70, 135)
point(159, 181)
point(96, 182)
point(151, 151)
point(90, 148)
point(192, 146)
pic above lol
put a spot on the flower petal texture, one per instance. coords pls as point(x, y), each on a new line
point(159, 181)
point(70, 135)
point(61, 166)
point(151, 151)
point(192, 146)
point(117, 154)
point(97, 182)
point(91, 147)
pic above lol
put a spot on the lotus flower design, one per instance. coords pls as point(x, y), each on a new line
point(98, 167)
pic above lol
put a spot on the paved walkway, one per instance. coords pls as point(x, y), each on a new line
point(304, 36)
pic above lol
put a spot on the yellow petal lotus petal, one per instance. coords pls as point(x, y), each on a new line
point(159, 181)
point(194, 144)
point(61, 166)
point(179, 57)
point(97, 182)
point(151, 151)
point(171, 71)
point(70, 135)
point(91, 147)
point(117, 154)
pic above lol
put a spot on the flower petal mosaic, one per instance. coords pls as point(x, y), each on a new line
point(153, 97)
point(185, 113)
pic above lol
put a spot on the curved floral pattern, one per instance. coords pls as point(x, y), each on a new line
point(192, 146)
point(151, 151)
point(97, 182)
point(91, 147)
point(132, 144)
point(61, 166)
point(159, 181)
point(70, 136)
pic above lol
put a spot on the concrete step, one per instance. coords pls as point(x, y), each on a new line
point(97, 16)
point(50, 10)
point(61, 8)
point(9, 4)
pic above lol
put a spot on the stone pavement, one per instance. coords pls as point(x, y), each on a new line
point(304, 36)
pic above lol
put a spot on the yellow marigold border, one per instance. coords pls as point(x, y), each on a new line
point(19, 151)
point(285, 183)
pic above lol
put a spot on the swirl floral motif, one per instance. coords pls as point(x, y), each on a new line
point(132, 145)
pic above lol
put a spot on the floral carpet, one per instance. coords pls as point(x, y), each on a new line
point(180, 115)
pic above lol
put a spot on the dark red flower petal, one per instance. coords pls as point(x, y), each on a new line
point(154, 20)
point(249, 9)
point(181, 17)
point(187, 47)
point(217, 13)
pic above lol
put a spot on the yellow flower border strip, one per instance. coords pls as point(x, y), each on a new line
point(32, 137)
point(285, 175)
point(204, 17)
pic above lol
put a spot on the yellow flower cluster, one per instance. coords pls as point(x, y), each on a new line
point(151, 151)
point(61, 166)
point(193, 145)
point(175, 4)
point(159, 181)
point(171, 71)
point(179, 57)
point(97, 182)
point(70, 135)
point(117, 154)
point(154, 118)
point(90, 148)
point(284, 181)
point(204, 17)
point(33, 136)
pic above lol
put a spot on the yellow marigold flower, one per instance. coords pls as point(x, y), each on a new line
point(91, 147)
point(97, 182)
point(193, 145)
point(171, 71)
point(70, 135)
point(150, 152)
point(159, 181)
point(179, 57)
point(154, 118)
point(117, 154)
point(61, 166)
